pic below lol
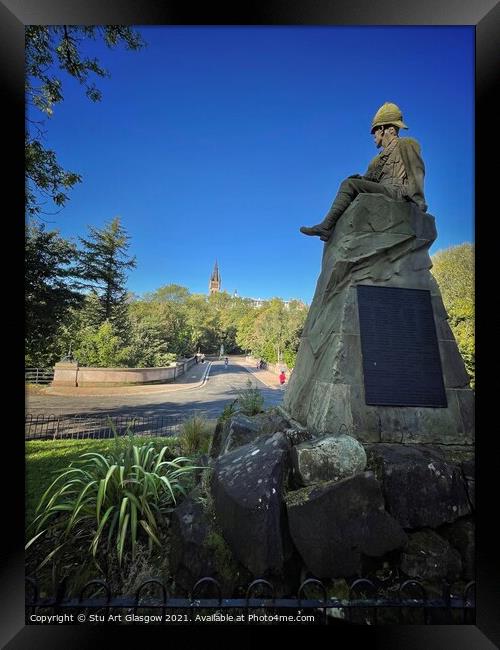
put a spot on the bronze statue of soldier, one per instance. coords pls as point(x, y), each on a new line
point(397, 171)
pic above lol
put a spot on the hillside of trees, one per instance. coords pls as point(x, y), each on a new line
point(77, 303)
point(453, 269)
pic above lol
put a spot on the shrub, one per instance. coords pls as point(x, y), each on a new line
point(112, 500)
point(250, 400)
point(228, 411)
point(195, 435)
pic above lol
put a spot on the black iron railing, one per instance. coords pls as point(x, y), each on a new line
point(454, 608)
point(66, 427)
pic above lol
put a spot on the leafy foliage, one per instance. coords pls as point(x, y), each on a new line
point(111, 500)
point(50, 49)
point(273, 331)
point(250, 400)
point(101, 348)
point(50, 291)
point(102, 264)
point(453, 269)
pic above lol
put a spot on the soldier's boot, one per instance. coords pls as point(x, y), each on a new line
point(324, 229)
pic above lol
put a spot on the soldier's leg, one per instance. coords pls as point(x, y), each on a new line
point(348, 191)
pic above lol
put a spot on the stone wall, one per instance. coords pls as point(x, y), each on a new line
point(71, 374)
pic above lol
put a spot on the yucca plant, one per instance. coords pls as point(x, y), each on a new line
point(112, 499)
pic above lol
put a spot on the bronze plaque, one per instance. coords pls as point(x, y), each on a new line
point(401, 362)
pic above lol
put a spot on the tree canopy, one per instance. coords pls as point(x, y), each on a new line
point(52, 51)
point(50, 289)
point(102, 265)
point(453, 269)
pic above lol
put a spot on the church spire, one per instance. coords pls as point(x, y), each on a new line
point(215, 281)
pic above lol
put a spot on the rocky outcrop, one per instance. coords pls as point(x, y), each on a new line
point(461, 535)
point(428, 556)
point(381, 243)
point(469, 472)
point(333, 524)
point(242, 429)
point(247, 488)
point(420, 488)
point(328, 458)
point(197, 550)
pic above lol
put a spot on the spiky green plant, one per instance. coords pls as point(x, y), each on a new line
point(195, 435)
point(228, 411)
point(250, 400)
point(112, 499)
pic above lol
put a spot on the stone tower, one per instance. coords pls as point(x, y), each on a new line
point(214, 284)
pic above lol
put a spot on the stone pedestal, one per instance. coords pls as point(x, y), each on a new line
point(384, 243)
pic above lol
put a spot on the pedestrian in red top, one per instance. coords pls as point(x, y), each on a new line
point(282, 377)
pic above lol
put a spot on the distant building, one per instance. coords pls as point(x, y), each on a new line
point(260, 302)
point(214, 284)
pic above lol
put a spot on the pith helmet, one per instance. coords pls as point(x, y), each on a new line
point(388, 114)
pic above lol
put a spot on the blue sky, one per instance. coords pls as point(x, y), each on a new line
point(220, 142)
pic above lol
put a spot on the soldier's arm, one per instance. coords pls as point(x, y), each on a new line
point(415, 171)
point(368, 175)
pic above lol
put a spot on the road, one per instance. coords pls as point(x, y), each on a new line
point(194, 394)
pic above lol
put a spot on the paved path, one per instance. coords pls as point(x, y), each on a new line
point(204, 387)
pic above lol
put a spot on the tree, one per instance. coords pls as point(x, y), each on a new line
point(159, 333)
point(453, 269)
point(101, 348)
point(245, 335)
point(274, 332)
point(173, 293)
point(50, 291)
point(102, 264)
point(59, 47)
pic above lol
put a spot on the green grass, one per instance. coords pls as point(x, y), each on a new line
point(195, 435)
point(44, 457)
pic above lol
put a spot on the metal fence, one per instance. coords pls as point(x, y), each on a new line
point(67, 427)
point(38, 375)
point(411, 602)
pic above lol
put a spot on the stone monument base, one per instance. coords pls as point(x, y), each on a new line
point(383, 243)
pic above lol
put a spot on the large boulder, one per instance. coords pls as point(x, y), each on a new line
point(334, 524)
point(428, 556)
point(197, 550)
point(328, 458)
point(461, 535)
point(469, 472)
point(247, 487)
point(219, 437)
point(420, 488)
point(242, 429)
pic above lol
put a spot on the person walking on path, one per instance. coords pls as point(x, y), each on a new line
point(282, 378)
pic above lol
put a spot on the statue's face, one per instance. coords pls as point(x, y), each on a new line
point(377, 136)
